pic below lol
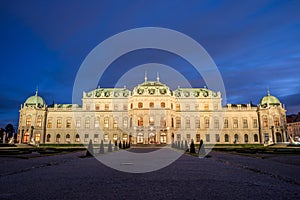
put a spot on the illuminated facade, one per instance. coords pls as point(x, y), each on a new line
point(152, 113)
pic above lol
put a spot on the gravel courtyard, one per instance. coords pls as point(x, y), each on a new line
point(220, 176)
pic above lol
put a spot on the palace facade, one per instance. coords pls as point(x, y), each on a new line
point(152, 113)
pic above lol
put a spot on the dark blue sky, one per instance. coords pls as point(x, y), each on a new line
point(255, 45)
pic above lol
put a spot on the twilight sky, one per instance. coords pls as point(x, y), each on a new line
point(255, 45)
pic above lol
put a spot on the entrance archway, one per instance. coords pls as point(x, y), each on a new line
point(152, 138)
point(278, 137)
point(140, 138)
point(163, 138)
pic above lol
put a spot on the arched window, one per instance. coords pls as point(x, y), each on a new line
point(187, 123)
point(58, 138)
point(151, 121)
point(115, 125)
point(28, 120)
point(255, 138)
point(151, 105)
point(68, 138)
point(163, 122)
point(178, 122)
point(206, 120)
point(236, 138)
point(140, 105)
point(125, 122)
point(216, 123)
point(106, 122)
point(226, 138)
point(48, 138)
point(77, 138)
point(162, 104)
point(39, 121)
point(265, 121)
point(276, 121)
point(140, 121)
point(246, 138)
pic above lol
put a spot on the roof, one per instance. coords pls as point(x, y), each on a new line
point(35, 101)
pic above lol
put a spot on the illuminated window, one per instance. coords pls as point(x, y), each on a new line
point(197, 137)
point(58, 124)
point(28, 120)
point(115, 137)
point(178, 122)
point(206, 107)
point(106, 106)
point(68, 123)
point(217, 137)
point(254, 123)
point(97, 107)
point(125, 122)
point(162, 104)
point(245, 123)
point(187, 123)
point(105, 138)
point(49, 123)
point(151, 121)
point(140, 121)
point(39, 121)
point(115, 125)
point(106, 122)
point(225, 123)
point(235, 123)
point(97, 122)
point(140, 105)
point(226, 138)
point(48, 138)
point(265, 121)
point(178, 107)
point(206, 121)
point(68, 138)
point(87, 123)
point(125, 137)
point(37, 137)
point(246, 138)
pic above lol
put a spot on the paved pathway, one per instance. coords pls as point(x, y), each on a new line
point(222, 176)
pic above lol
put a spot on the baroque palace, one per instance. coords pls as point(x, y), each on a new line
point(152, 113)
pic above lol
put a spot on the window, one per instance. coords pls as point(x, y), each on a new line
point(106, 122)
point(77, 123)
point(188, 137)
point(151, 121)
point(140, 121)
point(131, 105)
point(106, 106)
point(37, 137)
point(97, 122)
point(235, 123)
point(254, 123)
point(58, 125)
point(245, 123)
point(215, 106)
point(115, 123)
point(68, 138)
point(171, 105)
point(39, 121)
point(86, 137)
point(57, 138)
point(246, 138)
point(125, 137)
point(197, 123)
point(68, 123)
point(88, 107)
point(49, 123)
point(206, 121)
point(97, 107)
point(125, 122)
point(151, 105)
point(140, 105)
point(172, 122)
point(196, 106)
point(187, 106)
point(178, 122)
point(163, 122)
point(48, 138)
point(265, 121)
point(217, 137)
point(77, 138)
point(255, 138)
point(162, 104)
point(115, 137)
point(207, 137)
point(105, 137)
point(197, 137)
point(87, 123)
point(116, 107)
point(225, 123)
point(236, 138)
point(28, 120)
point(226, 138)
point(187, 123)
point(206, 107)
point(96, 137)
point(125, 107)
point(276, 121)
point(178, 107)
point(178, 137)
point(216, 123)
